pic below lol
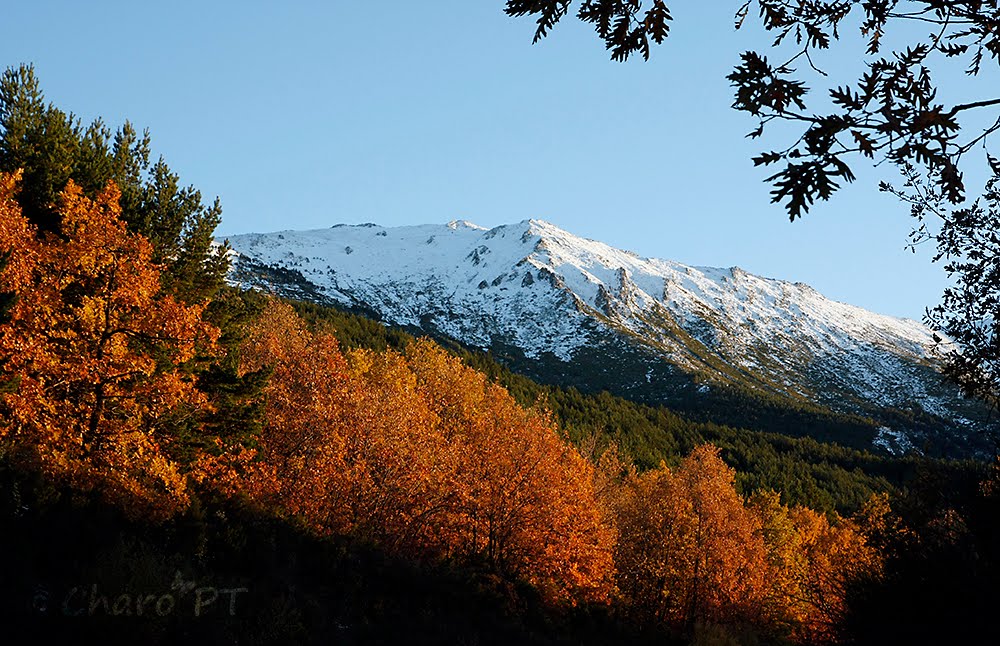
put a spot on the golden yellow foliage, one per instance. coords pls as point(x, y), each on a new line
point(94, 347)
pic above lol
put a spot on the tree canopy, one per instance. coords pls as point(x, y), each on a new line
point(893, 112)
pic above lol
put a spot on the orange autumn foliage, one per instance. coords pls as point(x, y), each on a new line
point(529, 502)
point(692, 553)
point(836, 553)
point(94, 348)
point(425, 458)
point(813, 559)
point(689, 551)
point(301, 466)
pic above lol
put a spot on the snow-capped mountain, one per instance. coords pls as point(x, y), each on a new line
point(584, 313)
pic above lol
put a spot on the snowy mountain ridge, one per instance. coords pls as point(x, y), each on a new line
point(553, 296)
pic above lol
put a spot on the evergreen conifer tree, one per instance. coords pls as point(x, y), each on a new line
point(52, 147)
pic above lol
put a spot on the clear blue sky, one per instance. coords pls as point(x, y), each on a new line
point(305, 114)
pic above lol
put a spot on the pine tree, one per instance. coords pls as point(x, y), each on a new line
point(237, 407)
point(53, 147)
point(37, 139)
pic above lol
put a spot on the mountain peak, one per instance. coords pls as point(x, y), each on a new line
point(549, 293)
point(464, 224)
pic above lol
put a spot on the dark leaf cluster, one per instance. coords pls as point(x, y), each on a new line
point(625, 26)
point(893, 114)
point(969, 243)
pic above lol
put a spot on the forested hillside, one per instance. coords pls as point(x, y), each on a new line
point(825, 476)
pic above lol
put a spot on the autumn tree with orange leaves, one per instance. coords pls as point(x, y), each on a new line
point(529, 508)
point(96, 352)
point(689, 551)
point(425, 458)
point(693, 554)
